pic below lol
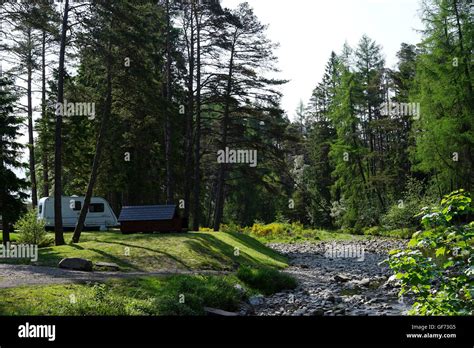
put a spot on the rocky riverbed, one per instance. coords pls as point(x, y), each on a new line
point(336, 279)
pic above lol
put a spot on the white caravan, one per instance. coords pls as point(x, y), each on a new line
point(100, 215)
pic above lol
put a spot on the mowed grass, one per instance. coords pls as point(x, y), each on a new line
point(13, 236)
point(155, 252)
point(164, 296)
point(177, 295)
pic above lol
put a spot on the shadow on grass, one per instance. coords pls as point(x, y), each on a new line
point(115, 259)
point(174, 258)
point(205, 244)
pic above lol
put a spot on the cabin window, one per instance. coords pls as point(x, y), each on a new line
point(40, 208)
point(96, 208)
point(77, 206)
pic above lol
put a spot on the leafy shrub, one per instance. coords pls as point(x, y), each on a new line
point(32, 231)
point(437, 268)
point(266, 280)
point(205, 229)
point(401, 215)
point(373, 231)
point(231, 228)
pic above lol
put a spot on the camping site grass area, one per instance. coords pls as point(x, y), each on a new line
point(155, 252)
point(257, 271)
point(175, 295)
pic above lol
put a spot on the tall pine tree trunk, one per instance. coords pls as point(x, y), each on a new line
point(220, 196)
point(197, 148)
point(189, 124)
point(98, 152)
point(3, 194)
point(58, 216)
point(31, 145)
point(168, 92)
point(44, 154)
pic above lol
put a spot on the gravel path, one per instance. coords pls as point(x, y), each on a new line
point(25, 275)
point(341, 278)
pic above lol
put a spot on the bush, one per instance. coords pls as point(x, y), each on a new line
point(373, 231)
point(205, 229)
point(231, 228)
point(401, 215)
point(266, 280)
point(31, 230)
point(438, 266)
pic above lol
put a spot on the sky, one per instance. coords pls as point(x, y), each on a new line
point(308, 30)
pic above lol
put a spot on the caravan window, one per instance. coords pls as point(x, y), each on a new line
point(96, 208)
point(40, 208)
point(77, 206)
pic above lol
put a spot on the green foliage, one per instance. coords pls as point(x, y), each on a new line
point(444, 88)
point(437, 268)
point(11, 186)
point(266, 280)
point(372, 231)
point(31, 230)
point(99, 299)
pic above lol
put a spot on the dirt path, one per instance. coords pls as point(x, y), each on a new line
point(25, 275)
point(342, 278)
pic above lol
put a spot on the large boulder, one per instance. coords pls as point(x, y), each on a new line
point(76, 264)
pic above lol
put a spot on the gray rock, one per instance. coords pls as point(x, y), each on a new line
point(317, 312)
point(239, 288)
point(76, 264)
point(300, 312)
point(341, 278)
point(107, 266)
point(257, 300)
point(214, 312)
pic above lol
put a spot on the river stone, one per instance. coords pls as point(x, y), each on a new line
point(341, 278)
point(256, 300)
point(76, 264)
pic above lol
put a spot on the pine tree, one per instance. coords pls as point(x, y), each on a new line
point(11, 186)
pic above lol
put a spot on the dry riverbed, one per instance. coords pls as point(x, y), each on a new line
point(340, 278)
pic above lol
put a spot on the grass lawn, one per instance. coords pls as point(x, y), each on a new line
point(176, 295)
point(153, 252)
point(179, 295)
point(13, 236)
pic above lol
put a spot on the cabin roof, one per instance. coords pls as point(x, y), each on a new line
point(148, 213)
